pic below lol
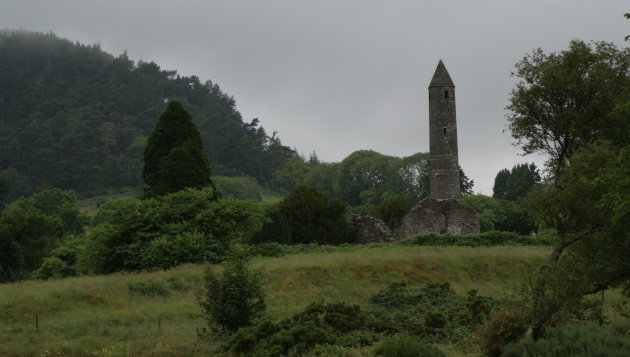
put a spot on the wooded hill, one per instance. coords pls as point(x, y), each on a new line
point(75, 117)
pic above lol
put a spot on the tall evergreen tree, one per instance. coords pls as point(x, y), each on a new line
point(174, 157)
point(516, 183)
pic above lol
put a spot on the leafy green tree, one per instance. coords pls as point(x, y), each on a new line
point(314, 217)
point(235, 298)
point(243, 187)
point(31, 227)
point(465, 183)
point(514, 184)
point(587, 206)
point(322, 177)
point(564, 99)
point(290, 174)
point(174, 157)
point(362, 176)
point(501, 215)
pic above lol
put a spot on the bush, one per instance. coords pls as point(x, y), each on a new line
point(242, 188)
point(320, 324)
point(392, 210)
point(433, 311)
point(183, 227)
point(276, 228)
point(491, 238)
point(501, 215)
point(53, 268)
point(234, 299)
point(502, 328)
point(314, 217)
point(587, 340)
point(405, 346)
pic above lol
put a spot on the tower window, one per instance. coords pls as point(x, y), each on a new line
point(444, 130)
point(445, 94)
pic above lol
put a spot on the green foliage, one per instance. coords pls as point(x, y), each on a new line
point(235, 298)
point(465, 183)
point(591, 245)
point(319, 324)
point(162, 232)
point(391, 210)
point(242, 188)
point(587, 340)
point(53, 268)
point(434, 312)
point(290, 174)
point(321, 177)
point(316, 218)
point(501, 215)
point(174, 157)
point(485, 239)
point(3, 191)
point(75, 117)
point(31, 227)
point(405, 346)
point(564, 99)
point(514, 184)
point(502, 328)
point(276, 229)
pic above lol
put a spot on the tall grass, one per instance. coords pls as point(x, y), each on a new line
point(157, 313)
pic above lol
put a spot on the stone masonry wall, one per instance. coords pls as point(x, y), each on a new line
point(370, 229)
point(438, 216)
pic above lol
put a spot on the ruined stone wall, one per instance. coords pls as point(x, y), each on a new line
point(370, 229)
point(438, 216)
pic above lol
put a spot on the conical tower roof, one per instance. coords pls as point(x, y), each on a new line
point(441, 78)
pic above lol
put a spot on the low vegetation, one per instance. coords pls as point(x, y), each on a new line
point(158, 313)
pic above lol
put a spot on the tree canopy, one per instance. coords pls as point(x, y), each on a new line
point(564, 100)
point(513, 184)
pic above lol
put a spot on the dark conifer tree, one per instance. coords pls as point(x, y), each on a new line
point(174, 157)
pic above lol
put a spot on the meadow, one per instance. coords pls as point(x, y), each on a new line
point(157, 313)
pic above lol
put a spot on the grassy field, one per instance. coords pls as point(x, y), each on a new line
point(157, 313)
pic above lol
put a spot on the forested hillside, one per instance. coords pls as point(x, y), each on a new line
point(75, 117)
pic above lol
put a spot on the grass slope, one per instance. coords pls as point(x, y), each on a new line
point(157, 314)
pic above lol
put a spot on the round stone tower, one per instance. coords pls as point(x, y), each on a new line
point(443, 161)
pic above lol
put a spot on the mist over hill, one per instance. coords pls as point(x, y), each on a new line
point(75, 117)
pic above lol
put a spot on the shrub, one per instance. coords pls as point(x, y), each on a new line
point(188, 226)
point(491, 238)
point(243, 187)
point(587, 340)
point(53, 268)
point(276, 227)
point(502, 328)
point(392, 210)
point(314, 217)
point(405, 346)
point(433, 311)
point(234, 299)
point(320, 324)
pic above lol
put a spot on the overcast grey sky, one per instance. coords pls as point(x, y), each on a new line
point(343, 75)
